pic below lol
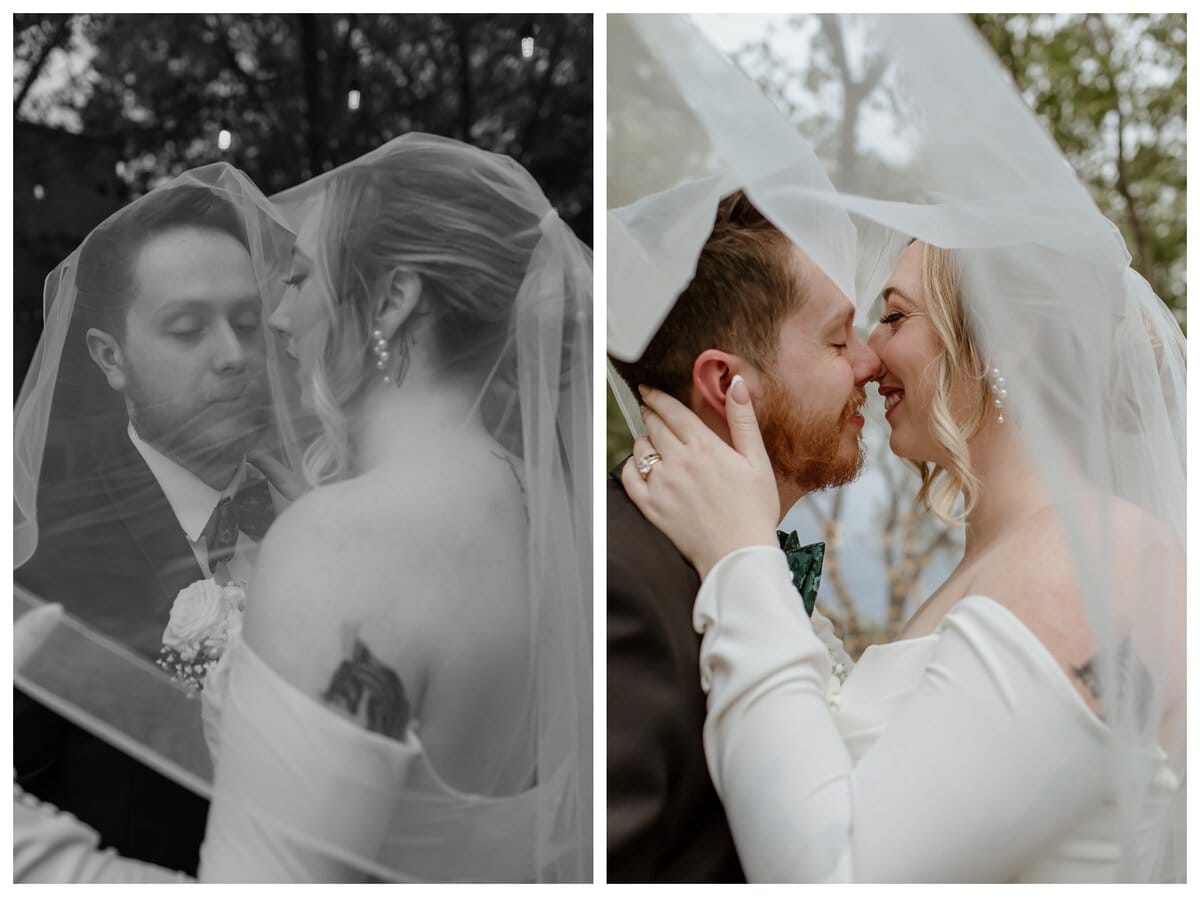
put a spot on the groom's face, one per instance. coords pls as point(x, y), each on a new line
point(810, 398)
point(192, 356)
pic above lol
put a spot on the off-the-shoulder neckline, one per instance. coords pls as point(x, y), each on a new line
point(990, 607)
point(412, 742)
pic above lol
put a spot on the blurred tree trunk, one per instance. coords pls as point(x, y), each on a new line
point(466, 97)
point(854, 92)
point(310, 71)
point(537, 107)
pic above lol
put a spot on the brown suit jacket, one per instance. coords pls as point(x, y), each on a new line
point(665, 821)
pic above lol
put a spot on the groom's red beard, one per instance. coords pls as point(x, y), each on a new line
point(806, 449)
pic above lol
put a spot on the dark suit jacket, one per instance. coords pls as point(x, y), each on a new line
point(665, 821)
point(111, 551)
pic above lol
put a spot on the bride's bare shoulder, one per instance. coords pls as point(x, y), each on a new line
point(1044, 569)
point(403, 511)
point(372, 553)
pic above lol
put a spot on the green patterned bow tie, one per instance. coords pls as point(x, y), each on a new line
point(805, 564)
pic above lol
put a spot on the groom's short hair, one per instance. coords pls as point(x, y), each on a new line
point(106, 271)
point(743, 289)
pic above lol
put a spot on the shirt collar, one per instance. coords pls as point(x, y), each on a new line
point(192, 500)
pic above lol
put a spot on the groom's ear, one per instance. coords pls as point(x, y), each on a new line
point(401, 294)
point(106, 353)
point(712, 375)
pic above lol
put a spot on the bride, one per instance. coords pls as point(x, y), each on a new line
point(410, 697)
point(1030, 725)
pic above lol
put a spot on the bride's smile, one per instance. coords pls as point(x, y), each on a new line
point(916, 370)
point(892, 396)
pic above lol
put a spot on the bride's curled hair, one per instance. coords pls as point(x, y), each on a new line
point(440, 214)
point(959, 368)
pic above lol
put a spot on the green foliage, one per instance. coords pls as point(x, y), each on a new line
point(1112, 90)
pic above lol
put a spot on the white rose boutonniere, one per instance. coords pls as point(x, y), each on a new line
point(205, 618)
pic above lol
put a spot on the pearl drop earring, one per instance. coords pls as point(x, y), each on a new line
point(382, 355)
point(999, 394)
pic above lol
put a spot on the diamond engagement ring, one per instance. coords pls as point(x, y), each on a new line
point(645, 462)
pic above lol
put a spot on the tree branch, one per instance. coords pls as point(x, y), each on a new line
point(1145, 261)
point(56, 40)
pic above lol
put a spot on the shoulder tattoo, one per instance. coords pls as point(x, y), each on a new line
point(370, 693)
point(1088, 676)
point(1130, 671)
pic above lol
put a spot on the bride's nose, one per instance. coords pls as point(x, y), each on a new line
point(875, 340)
point(279, 320)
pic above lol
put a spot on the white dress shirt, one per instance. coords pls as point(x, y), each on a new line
point(193, 502)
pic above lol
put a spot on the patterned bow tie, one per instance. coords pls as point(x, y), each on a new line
point(249, 511)
point(805, 564)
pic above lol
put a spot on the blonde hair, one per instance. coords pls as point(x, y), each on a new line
point(959, 364)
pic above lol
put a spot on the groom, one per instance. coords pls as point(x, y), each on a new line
point(759, 307)
point(169, 320)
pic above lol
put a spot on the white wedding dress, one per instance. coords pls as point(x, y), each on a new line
point(302, 794)
point(963, 755)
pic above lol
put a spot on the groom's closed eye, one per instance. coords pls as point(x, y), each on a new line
point(840, 338)
point(839, 327)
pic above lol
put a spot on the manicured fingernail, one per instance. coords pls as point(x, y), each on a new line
point(642, 390)
point(739, 390)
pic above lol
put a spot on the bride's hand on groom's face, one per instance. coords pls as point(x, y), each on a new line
point(709, 499)
point(287, 482)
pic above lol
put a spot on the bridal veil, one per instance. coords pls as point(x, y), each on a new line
point(90, 670)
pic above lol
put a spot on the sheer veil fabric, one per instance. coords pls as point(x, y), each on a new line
point(943, 150)
point(538, 408)
point(93, 532)
point(537, 402)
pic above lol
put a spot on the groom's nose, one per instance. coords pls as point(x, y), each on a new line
point(230, 353)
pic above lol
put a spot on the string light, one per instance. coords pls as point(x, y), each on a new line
point(39, 192)
point(527, 46)
point(225, 137)
point(353, 99)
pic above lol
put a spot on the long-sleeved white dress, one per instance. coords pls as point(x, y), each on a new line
point(963, 755)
